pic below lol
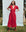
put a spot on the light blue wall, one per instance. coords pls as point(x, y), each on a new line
point(19, 14)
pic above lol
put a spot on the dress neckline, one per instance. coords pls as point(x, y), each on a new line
point(13, 7)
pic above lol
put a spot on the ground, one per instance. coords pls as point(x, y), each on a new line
point(18, 28)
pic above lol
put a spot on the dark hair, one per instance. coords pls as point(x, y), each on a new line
point(14, 3)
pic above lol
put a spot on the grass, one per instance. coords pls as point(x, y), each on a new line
point(18, 29)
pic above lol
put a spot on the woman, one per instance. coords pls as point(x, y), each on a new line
point(12, 16)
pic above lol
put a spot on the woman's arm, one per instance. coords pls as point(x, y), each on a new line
point(17, 8)
point(9, 6)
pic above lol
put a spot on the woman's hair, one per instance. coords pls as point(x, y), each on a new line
point(14, 3)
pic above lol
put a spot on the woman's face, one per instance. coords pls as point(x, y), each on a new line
point(13, 2)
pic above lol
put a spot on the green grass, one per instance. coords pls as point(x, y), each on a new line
point(18, 29)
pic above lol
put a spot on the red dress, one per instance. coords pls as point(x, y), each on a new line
point(12, 17)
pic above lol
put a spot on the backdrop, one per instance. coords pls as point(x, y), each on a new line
point(19, 14)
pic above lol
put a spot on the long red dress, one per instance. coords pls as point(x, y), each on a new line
point(12, 17)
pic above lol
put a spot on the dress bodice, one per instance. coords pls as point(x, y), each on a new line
point(13, 9)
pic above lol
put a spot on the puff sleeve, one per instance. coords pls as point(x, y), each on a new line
point(17, 7)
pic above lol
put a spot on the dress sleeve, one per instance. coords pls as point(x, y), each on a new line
point(17, 7)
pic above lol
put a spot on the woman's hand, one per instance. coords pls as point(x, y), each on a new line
point(17, 9)
point(7, 8)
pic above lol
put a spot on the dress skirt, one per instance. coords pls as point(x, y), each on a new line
point(12, 20)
